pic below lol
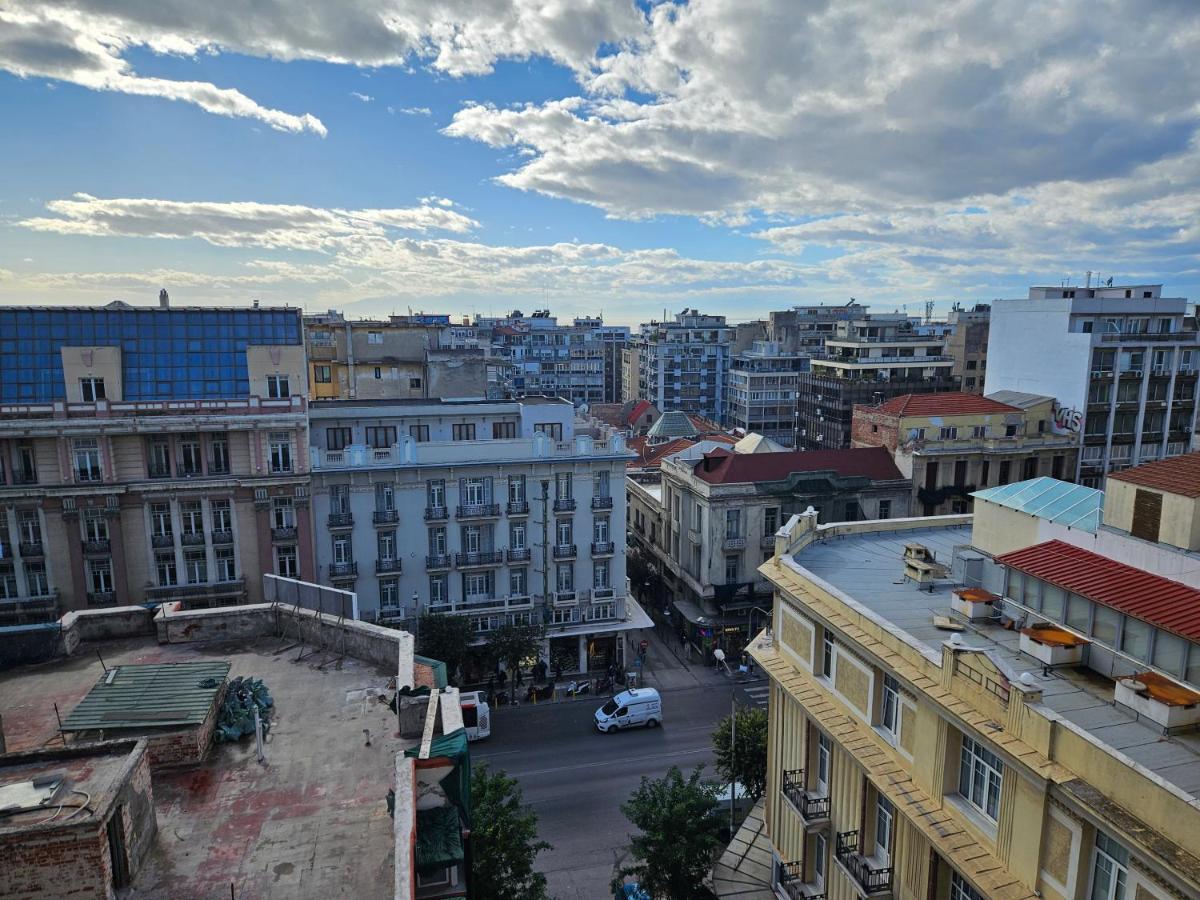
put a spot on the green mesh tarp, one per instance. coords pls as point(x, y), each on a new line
point(439, 839)
point(457, 785)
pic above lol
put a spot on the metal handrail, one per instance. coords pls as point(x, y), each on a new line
point(871, 879)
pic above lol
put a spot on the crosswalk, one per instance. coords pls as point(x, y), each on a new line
point(757, 693)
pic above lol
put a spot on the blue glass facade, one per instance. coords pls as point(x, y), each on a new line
point(166, 354)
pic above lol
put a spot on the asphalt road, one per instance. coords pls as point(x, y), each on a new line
point(576, 778)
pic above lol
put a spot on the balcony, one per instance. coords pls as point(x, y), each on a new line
point(102, 598)
point(734, 543)
point(436, 513)
point(86, 475)
point(564, 504)
point(603, 548)
point(208, 590)
point(791, 882)
point(343, 570)
point(385, 517)
point(479, 558)
point(284, 533)
point(813, 810)
point(767, 541)
point(341, 520)
point(602, 503)
point(162, 540)
point(870, 878)
point(155, 471)
point(1189, 336)
point(478, 511)
point(98, 547)
point(518, 507)
point(565, 598)
point(31, 549)
point(24, 476)
point(188, 471)
point(218, 467)
point(196, 538)
point(222, 537)
point(438, 561)
point(518, 555)
point(564, 551)
point(388, 567)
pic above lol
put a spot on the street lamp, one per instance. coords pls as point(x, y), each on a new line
point(753, 610)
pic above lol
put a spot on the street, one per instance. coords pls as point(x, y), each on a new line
point(576, 778)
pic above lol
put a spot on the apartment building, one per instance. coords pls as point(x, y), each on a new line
point(1045, 747)
point(149, 454)
point(803, 329)
point(867, 360)
point(398, 358)
point(580, 362)
point(951, 444)
point(496, 510)
point(967, 344)
point(761, 395)
point(682, 364)
point(1121, 360)
point(711, 518)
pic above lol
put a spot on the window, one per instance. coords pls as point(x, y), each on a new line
point(771, 521)
point(287, 564)
point(189, 455)
point(824, 752)
point(600, 529)
point(195, 567)
point(504, 430)
point(518, 582)
point(389, 594)
point(280, 443)
point(437, 541)
point(959, 889)
point(414, 384)
point(1005, 470)
point(600, 575)
point(979, 431)
point(564, 577)
point(380, 437)
point(889, 716)
point(731, 569)
point(386, 542)
point(374, 337)
point(979, 776)
point(516, 536)
point(949, 433)
point(35, 574)
point(100, 575)
point(516, 488)
point(339, 499)
point(553, 429)
point(164, 563)
point(1010, 430)
point(378, 373)
point(479, 585)
point(218, 455)
point(1105, 622)
point(160, 520)
point(226, 567)
point(564, 532)
point(385, 497)
point(159, 453)
point(885, 817)
point(436, 493)
point(472, 539)
point(475, 491)
point(338, 438)
point(562, 486)
point(419, 433)
point(733, 523)
point(29, 525)
point(1135, 639)
point(343, 550)
point(600, 483)
point(8, 582)
point(885, 509)
point(278, 387)
point(91, 389)
point(191, 518)
point(1110, 869)
point(87, 459)
point(95, 526)
point(820, 853)
point(323, 374)
point(463, 431)
point(827, 654)
point(437, 590)
point(283, 513)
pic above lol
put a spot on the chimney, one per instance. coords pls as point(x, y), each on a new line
point(164, 302)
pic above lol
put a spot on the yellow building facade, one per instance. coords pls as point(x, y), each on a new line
point(919, 764)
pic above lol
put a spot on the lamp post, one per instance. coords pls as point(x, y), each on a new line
point(753, 610)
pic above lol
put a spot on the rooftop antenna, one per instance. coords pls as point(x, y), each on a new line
point(1089, 278)
point(928, 311)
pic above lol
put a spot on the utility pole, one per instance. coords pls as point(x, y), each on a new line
point(732, 753)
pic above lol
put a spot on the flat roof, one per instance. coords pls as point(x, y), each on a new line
point(866, 567)
point(94, 772)
point(149, 696)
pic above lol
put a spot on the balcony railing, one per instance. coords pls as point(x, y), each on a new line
point(343, 570)
point(1146, 338)
point(203, 590)
point(218, 467)
point(31, 548)
point(196, 538)
point(518, 554)
point(101, 598)
point(188, 471)
point(603, 548)
point(791, 881)
point(436, 513)
point(767, 542)
point(341, 520)
point(564, 504)
point(222, 537)
point(565, 598)
point(438, 561)
point(734, 543)
point(564, 551)
point(812, 809)
point(871, 879)
point(162, 540)
point(518, 507)
point(602, 502)
point(98, 547)
point(160, 471)
point(478, 511)
point(24, 476)
point(387, 566)
point(385, 516)
point(480, 558)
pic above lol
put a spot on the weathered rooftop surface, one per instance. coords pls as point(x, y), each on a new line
point(149, 696)
point(311, 822)
point(866, 568)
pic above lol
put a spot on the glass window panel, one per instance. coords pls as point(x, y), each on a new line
point(1053, 600)
point(1104, 625)
point(1169, 651)
point(1079, 611)
point(1136, 640)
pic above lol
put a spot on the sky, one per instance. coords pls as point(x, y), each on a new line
point(595, 156)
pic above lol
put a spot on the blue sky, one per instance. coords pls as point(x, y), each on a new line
point(483, 156)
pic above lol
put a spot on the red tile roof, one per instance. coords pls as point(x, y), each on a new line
point(651, 456)
point(1160, 601)
point(1178, 475)
point(948, 403)
point(636, 413)
point(721, 467)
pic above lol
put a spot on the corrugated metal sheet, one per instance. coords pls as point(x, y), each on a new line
point(148, 696)
point(1160, 601)
point(1072, 505)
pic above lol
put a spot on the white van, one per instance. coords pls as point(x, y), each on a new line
point(629, 708)
point(476, 715)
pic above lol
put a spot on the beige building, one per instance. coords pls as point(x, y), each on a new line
point(967, 343)
point(956, 720)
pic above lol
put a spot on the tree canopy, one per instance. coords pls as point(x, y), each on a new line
point(746, 761)
point(504, 840)
point(446, 638)
point(511, 644)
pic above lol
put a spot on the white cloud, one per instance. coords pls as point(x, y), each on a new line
point(365, 98)
point(411, 110)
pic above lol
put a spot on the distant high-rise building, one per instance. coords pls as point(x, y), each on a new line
point(803, 329)
point(967, 343)
point(762, 389)
point(683, 363)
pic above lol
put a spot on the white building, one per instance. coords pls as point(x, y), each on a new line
point(1121, 360)
point(683, 364)
point(492, 509)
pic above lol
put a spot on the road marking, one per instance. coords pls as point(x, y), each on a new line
point(621, 761)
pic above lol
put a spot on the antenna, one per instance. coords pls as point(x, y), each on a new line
point(1089, 278)
point(928, 311)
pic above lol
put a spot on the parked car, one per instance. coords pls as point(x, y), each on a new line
point(641, 706)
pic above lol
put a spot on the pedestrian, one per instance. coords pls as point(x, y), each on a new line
point(501, 678)
point(518, 679)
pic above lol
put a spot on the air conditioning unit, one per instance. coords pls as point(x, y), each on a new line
point(1136, 373)
point(1100, 373)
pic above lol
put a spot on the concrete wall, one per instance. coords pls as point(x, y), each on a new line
point(277, 359)
point(1180, 522)
point(92, 362)
point(1031, 349)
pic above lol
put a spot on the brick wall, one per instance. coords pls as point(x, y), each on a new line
point(870, 428)
point(62, 863)
point(187, 746)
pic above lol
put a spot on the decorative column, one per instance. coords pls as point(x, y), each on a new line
point(262, 522)
point(116, 544)
point(305, 545)
point(79, 585)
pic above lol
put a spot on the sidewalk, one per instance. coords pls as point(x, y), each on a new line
point(668, 668)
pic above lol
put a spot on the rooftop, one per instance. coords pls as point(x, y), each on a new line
point(312, 822)
point(1068, 504)
point(865, 568)
point(149, 696)
point(946, 403)
point(1177, 475)
point(1019, 398)
point(725, 467)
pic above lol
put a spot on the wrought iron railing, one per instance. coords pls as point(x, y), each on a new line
point(343, 570)
point(871, 879)
point(564, 504)
point(480, 558)
point(436, 513)
point(387, 566)
point(438, 561)
point(341, 520)
point(385, 516)
point(811, 807)
point(518, 507)
point(564, 551)
point(478, 510)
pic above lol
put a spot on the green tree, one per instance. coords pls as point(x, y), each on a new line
point(512, 644)
point(504, 840)
point(679, 835)
point(746, 760)
point(446, 638)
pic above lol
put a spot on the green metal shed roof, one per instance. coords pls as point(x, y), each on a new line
point(148, 696)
